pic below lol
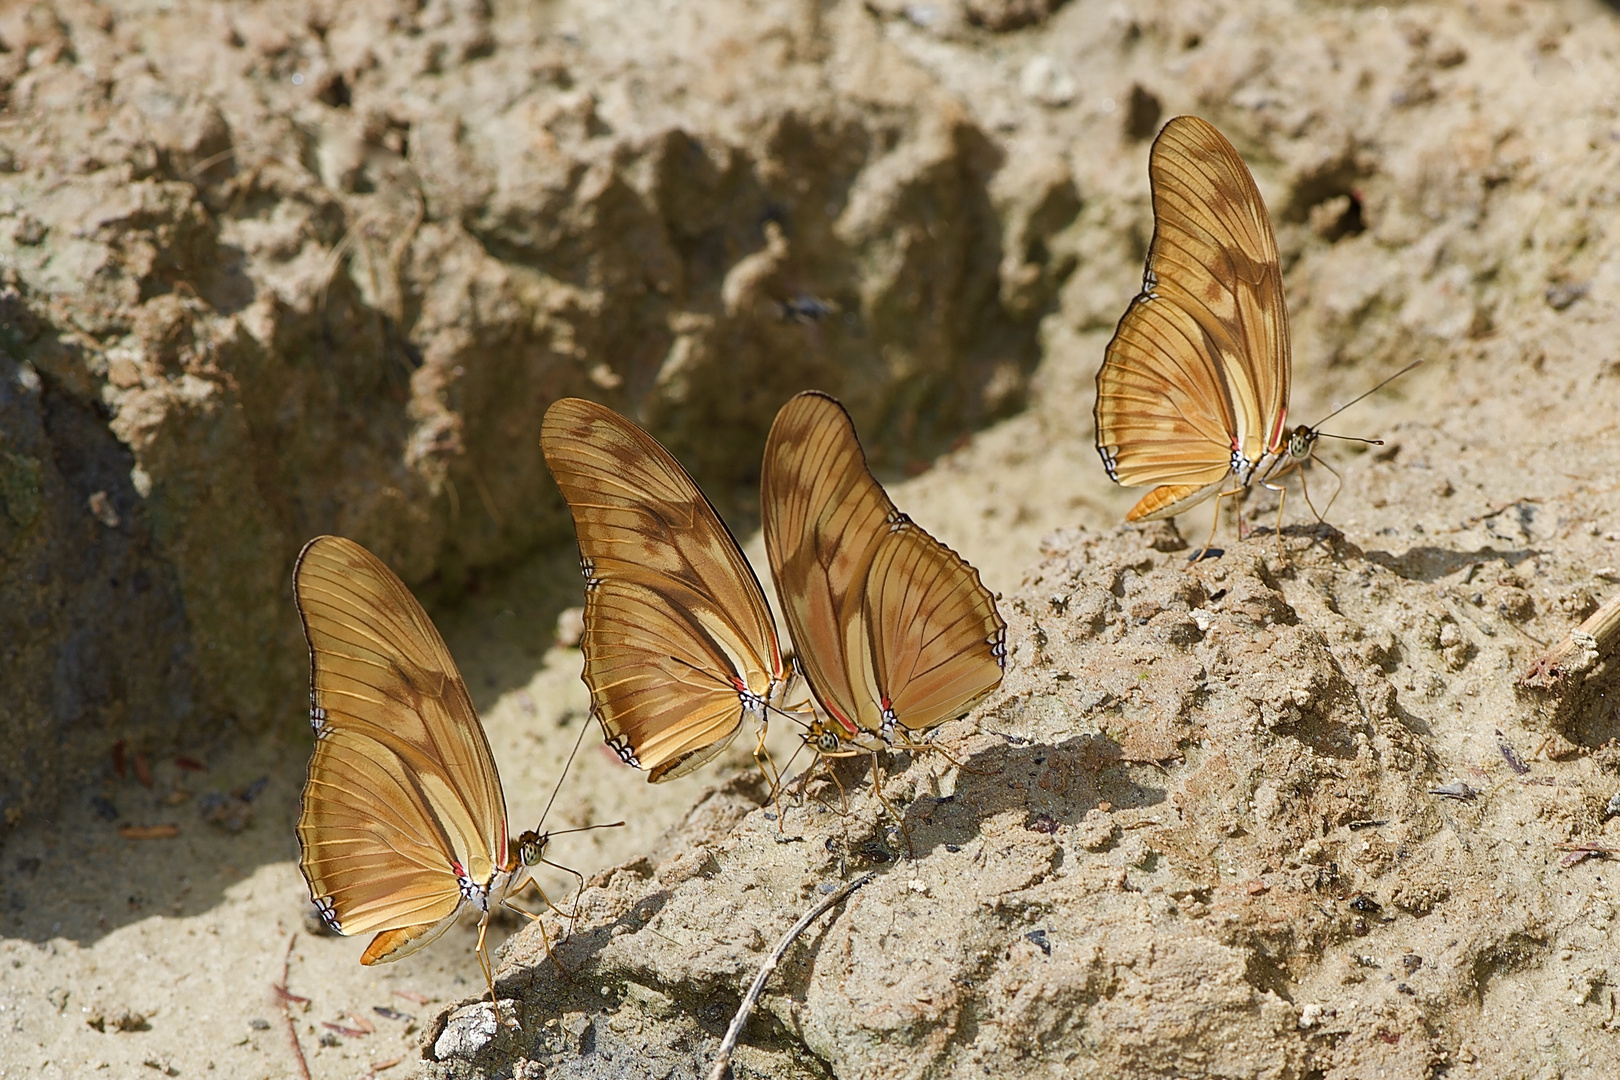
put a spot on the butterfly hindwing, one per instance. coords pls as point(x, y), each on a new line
point(886, 619)
point(653, 673)
point(937, 639)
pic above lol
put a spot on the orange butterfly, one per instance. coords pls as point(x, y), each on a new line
point(1193, 390)
point(679, 642)
point(894, 630)
point(403, 818)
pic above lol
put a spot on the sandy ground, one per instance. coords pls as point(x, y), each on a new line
point(202, 924)
point(179, 940)
point(1492, 510)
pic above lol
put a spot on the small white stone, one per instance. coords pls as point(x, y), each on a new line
point(1044, 81)
point(1309, 1017)
point(920, 887)
point(467, 1032)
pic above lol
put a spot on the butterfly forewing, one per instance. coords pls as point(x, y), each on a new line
point(882, 614)
point(676, 623)
point(402, 786)
point(822, 513)
point(1199, 368)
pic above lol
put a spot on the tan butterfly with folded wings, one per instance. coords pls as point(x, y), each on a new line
point(893, 630)
point(679, 642)
point(403, 820)
point(1193, 390)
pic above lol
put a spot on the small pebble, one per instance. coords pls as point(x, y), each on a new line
point(468, 1031)
point(1455, 789)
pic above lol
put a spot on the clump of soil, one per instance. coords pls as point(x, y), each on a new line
point(1265, 815)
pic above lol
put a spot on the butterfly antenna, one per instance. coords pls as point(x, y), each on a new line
point(1369, 393)
point(566, 766)
point(789, 714)
point(588, 828)
point(579, 888)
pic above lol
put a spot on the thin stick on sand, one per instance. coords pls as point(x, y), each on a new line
point(287, 997)
point(1579, 652)
point(722, 1060)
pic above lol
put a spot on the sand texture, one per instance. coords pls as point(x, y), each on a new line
point(273, 270)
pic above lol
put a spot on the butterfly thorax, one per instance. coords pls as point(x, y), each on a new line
point(472, 890)
point(522, 852)
point(1291, 451)
point(886, 725)
point(754, 703)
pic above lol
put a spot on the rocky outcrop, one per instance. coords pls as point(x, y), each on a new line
point(302, 268)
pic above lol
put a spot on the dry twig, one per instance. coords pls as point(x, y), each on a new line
point(286, 998)
point(722, 1060)
point(1580, 650)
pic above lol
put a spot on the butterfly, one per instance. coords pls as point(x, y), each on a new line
point(894, 631)
point(679, 642)
point(403, 820)
point(1193, 389)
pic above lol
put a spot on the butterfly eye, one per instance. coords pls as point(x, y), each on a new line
point(1301, 442)
point(827, 742)
point(531, 846)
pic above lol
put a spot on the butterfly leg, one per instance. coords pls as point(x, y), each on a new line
point(843, 796)
point(489, 977)
point(921, 747)
point(762, 758)
point(888, 807)
point(1282, 497)
point(1215, 523)
point(1321, 517)
point(799, 788)
point(579, 887)
point(544, 939)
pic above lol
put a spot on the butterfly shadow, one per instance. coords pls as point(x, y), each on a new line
point(566, 969)
point(1429, 564)
point(1051, 785)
